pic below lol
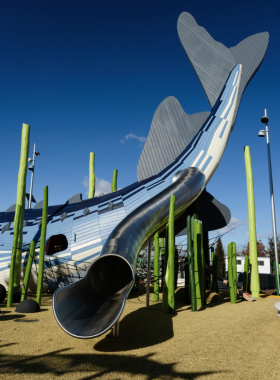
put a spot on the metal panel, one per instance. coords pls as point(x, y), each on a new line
point(91, 306)
point(211, 60)
point(171, 131)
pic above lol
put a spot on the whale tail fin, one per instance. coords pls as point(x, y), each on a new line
point(172, 129)
point(213, 61)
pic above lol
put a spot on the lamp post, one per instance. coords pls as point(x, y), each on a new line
point(263, 133)
point(32, 168)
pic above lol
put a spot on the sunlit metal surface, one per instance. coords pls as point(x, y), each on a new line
point(92, 306)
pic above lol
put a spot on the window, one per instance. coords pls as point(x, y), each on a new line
point(261, 263)
point(56, 243)
point(238, 262)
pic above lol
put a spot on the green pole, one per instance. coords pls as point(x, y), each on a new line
point(234, 269)
point(28, 270)
point(197, 261)
point(13, 256)
point(212, 256)
point(156, 268)
point(165, 275)
point(246, 273)
point(230, 274)
point(21, 191)
point(276, 277)
point(191, 264)
point(91, 187)
point(162, 266)
point(171, 256)
point(255, 280)
point(114, 180)
point(42, 246)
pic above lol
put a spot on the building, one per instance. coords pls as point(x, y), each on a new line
point(263, 264)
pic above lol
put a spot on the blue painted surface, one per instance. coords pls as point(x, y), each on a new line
point(92, 230)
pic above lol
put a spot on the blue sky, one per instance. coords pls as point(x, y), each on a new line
point(89, 75)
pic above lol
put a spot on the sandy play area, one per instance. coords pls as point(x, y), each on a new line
point(221, 341)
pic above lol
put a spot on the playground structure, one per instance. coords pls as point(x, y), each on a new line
point(111, 230)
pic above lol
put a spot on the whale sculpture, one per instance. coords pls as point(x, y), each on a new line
point(180, 156)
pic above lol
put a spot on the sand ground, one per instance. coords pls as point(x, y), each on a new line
point(221, 341)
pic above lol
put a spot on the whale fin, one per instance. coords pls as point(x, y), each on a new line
point(171, 131)
point(250, 53)
point(213, 62)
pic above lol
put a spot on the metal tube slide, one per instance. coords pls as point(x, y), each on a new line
point(91, 306)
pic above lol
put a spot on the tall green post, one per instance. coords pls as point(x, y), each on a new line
point(255, 280)
point(165, 275)
point(156, 268)
point(230, 274)
point(114, 180)
point(42, 246)
point(234, 269)
point(21, 191)
point(91, 181)
point(162, 249)
point(171, 256)
point(198, 262)
point(13, 256)
point(191, 264)
point(28, 270)
point(246, 273)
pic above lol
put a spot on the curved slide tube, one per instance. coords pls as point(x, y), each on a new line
point(91, 306)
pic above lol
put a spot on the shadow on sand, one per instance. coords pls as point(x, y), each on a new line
point(93, 366)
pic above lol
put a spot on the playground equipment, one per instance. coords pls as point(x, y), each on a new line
point(112, 229)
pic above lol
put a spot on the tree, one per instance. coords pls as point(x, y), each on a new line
point(271, 248)
point(220, 253)
point(261, 251)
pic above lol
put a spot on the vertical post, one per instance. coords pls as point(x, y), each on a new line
point(214, 286)
point(156, 268)
point(276, 278)
point(21, 191)
point(148, 274)
point(32, 177)
point(234, 269)
point(255, 281)
point(13, 256)
point(191, 264)
point(197, 262)
point(91, 188)
point(176, 266)
point(171, 256)
point(114, 180)
point(162, 249)
point(165, 276)
point(187, 293)
point(28, 270)
point(246, 273)
point(230, 274)
point(272, 203)
point(42, 246)
point(116, 329)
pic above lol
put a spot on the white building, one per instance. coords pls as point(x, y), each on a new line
point(263, 264)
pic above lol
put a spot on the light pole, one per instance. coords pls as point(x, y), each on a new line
point(263, 133)
point(32, 168)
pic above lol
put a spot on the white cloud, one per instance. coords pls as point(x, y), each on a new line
point(132, 136)
point(101, 185)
